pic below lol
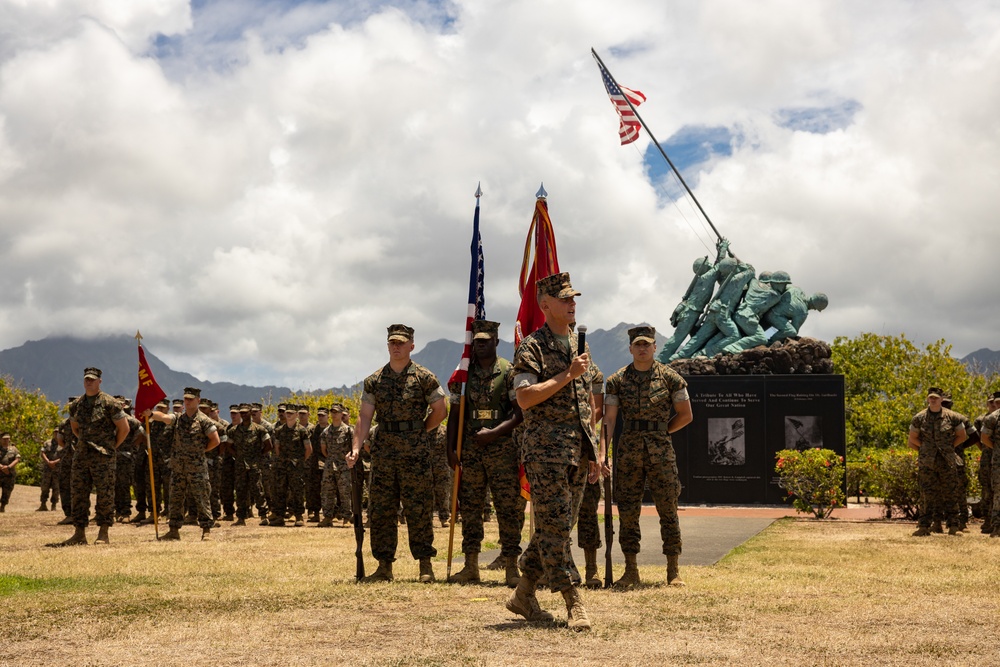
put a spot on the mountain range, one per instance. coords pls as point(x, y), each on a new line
point(55, 366)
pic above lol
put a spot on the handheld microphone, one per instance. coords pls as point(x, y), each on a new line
point(581, 339)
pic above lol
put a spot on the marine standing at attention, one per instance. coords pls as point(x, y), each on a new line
point(654, 403)
point(409, 404)
point(100, 426)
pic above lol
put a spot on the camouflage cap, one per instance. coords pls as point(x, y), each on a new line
point(935, 391)
point(642, 333)
point(996, 396)
point(485, 329)
point(337, 407)
point(244, 407)
point(282, 406)
point(205, 403)
point(256, 407)
point(557, 285)
point(400, 332)
point(162, 403)
point(321, 411)
point(178, 401)
point(303, 408)
point(234, 408)
point(91, 373)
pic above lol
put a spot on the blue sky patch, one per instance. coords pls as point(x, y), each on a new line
point(819, 119)
point(688, 148)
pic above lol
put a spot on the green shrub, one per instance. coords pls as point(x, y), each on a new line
point(894, 479)
point(814, 479)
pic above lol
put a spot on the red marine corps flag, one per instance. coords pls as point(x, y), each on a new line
point(149, 393)
point(545, 263)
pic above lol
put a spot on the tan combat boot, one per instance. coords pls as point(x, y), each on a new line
point(240, 522)
point(590, 578)
point(172, 534)
point(42, 507)
point(79, 537)
point(298, 521)
point(955, 530)
point(937, 528)
point(383, 573)
point(327, 522)
point(102, 536)
point(512, 575)
point(630, 578)
point(206, 534)
point(426, 571)
point(67, 521)
point(673, 574)
point(469, 574)
point(524, 602)
point(922, 531)
point(577, 615)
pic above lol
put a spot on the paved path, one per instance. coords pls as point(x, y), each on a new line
point(708, 532)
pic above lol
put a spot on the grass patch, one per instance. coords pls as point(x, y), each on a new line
point(801, 592)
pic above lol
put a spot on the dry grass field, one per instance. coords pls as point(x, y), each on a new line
point(800, 593)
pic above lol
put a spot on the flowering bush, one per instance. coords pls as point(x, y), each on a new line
point(814, 479)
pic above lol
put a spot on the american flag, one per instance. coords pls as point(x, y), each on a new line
point(630, 126)
point(477, 304)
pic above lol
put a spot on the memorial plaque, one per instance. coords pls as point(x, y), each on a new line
point(803, 412)
point(727, 454)
point(724, 443)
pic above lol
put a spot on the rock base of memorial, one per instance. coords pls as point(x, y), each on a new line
point(795, 356)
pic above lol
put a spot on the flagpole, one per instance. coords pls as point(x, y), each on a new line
point(152, 481)
point(657, 144)
point(149, 457)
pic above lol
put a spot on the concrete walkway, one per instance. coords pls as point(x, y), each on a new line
point(708, 532)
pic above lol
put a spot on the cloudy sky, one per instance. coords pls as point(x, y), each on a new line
point(261, 186)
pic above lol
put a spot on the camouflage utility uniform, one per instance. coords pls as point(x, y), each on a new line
point(336, 474)
point(991, 429)
point(441, 472)
point(644, 454)
point(66, 467)
point(94, 459)
point(401, 465)
point(314, 472)
point(985, 476)
point(7, 477)
point(489, 399)
point(125, 467)
point(558, 441)
point(189, 468)
point(50, 475)
point(289, 469)
point(936, 464)
point(248, 441)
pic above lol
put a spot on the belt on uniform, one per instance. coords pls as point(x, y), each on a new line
point(400, 427)
point(645, 425)
point(486, 415)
